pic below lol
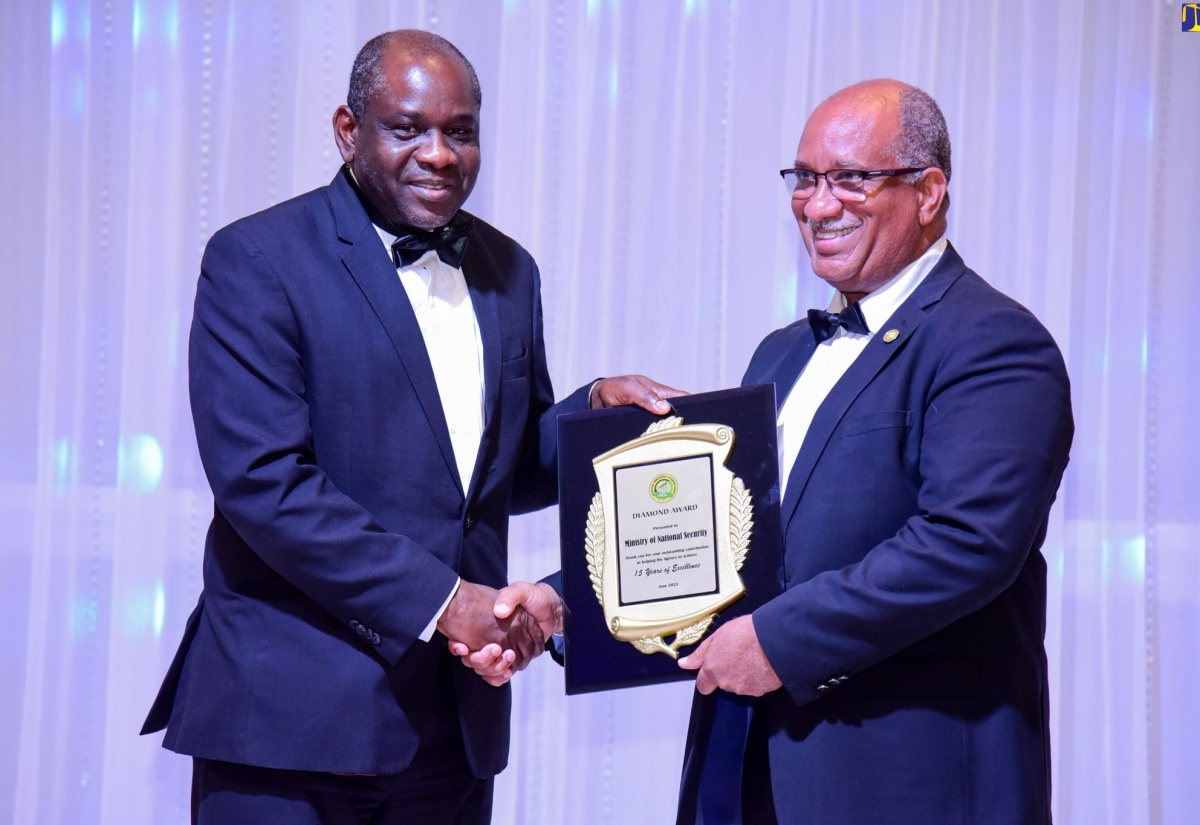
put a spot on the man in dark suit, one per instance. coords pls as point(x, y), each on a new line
point(924, 428)
point(371, 401)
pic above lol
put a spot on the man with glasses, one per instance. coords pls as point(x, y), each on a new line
point(924, 426)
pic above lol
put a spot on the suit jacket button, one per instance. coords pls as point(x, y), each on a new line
point(468, 522)
point(822, 688)
point(375, 639)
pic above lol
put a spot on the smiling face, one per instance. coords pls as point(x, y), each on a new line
point(415, 151)
point(857, 246)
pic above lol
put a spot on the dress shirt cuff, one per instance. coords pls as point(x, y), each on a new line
point(427, 633)
point(592, 389)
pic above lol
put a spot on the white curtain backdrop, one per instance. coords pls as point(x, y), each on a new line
point(633, 148)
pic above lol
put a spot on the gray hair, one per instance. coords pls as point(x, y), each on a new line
point(924, 138)
point(368, 80)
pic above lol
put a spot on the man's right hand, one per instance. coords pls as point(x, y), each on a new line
point(470, 620)
point(495, 664)
point(540, 601)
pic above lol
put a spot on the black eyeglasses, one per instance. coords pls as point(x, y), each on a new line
point(846, 184)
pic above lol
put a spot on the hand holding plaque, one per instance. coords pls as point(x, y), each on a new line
point(733, 660)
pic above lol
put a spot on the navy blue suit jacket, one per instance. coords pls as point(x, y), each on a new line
point(340, 519)
point(909, 638)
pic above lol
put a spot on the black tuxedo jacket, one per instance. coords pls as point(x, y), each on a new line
point(340, 519)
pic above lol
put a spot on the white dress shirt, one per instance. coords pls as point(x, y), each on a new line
point(834, 356)
point(442, 303)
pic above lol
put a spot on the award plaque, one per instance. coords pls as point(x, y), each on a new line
point(670, 525)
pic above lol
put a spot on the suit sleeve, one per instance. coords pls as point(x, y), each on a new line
point(537, 470)
point(249, 404)
point(996, 432)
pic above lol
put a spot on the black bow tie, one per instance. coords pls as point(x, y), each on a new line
point(824, 324)
point(449, 242)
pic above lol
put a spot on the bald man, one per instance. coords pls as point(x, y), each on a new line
point(371, 402)
point(924, 426)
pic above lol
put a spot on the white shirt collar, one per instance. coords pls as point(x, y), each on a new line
point(879, 305)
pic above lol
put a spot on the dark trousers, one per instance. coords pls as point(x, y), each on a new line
point(735, 781)
point(426, 794)
point(438, 788)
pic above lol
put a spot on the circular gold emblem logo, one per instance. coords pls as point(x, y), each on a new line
point(663, 488)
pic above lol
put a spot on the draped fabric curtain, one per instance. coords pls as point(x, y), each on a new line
point(633, 148)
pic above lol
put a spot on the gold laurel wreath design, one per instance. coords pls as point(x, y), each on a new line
point(665, 424)
point(741, 522)
point(652, 644)
point(593, 545)
point(686, 636)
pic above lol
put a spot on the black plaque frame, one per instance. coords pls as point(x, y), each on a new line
point(594, 659)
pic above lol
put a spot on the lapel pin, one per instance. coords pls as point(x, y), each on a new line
point(891, 335)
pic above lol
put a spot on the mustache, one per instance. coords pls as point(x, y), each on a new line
point(831, 225)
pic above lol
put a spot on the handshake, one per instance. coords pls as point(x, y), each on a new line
point(497, 633)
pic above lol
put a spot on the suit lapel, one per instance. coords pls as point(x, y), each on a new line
point(480, 273)
point(791, 367)
point(368, 264)
point(869, 363)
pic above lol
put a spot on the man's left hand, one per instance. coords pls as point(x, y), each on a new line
point(733, 660)
point(493, 664)
point(633, 389)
